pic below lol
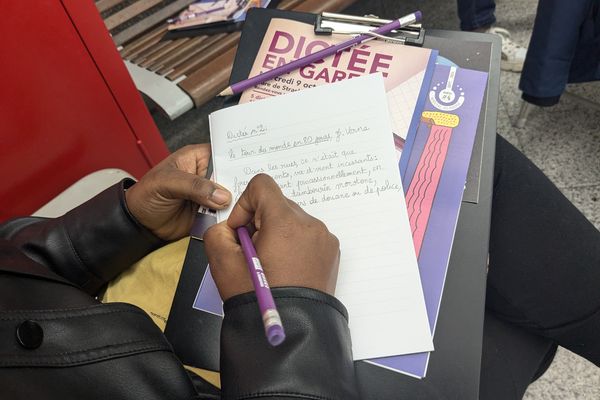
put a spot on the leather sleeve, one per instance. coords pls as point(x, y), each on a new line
point(314, 361)
point(90, 244)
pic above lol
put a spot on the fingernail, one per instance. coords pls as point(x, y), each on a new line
point(220, 196)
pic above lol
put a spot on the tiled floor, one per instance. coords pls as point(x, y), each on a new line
point(564, 141)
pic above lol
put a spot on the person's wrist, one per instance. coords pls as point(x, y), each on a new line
point(126, 185)
point(127, 197)
point(289, 292)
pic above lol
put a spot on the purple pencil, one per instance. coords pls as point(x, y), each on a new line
point(301, 62)
point(266, 304)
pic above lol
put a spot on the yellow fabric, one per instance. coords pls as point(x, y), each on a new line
point(214, 378)
point(150, 284)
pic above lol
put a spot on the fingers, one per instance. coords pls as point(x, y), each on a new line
point(227, 262)
point(181, 177)
point(193, 158)
point(261, 198)
point(166, 198)
point(187, 186)
point(295, 248)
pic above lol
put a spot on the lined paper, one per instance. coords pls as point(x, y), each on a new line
point(331, 150)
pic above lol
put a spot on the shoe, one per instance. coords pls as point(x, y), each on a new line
point(513, 54)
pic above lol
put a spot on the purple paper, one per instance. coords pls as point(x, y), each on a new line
point(458, 92)
point(208, 298)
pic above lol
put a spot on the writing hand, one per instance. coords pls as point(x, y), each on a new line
point(295, 249)
point(167, 198)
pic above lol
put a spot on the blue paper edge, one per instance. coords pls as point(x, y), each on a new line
point(414, 123)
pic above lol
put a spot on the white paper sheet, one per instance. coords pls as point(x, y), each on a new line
point(331, 150)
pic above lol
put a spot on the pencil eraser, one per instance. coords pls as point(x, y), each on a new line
point(275, 335)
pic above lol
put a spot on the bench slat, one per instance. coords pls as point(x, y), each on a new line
point(182, 58)
point(191, 63)
point(169, 61)
point(150, 60)
point(290, 4)
point(151, 20)
point(150, 51)
point(166, 59)
point(212, 52)
point(129, 12)
point(206, 82)
point(143, 42)
point(103, 5)
point(318, 6)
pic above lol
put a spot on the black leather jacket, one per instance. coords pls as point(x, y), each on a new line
point(58, 342)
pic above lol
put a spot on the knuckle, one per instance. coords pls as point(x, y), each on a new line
point(203, 187)
point(323, 234)
point(155, 172)
point(261, 179)
point(211, 235)
point(263, 191)
point(318, 225)
point(214, 235)
point(334, 240)
point(215, 232)
point(295, 206)
point(262, 184)
point(186, 149)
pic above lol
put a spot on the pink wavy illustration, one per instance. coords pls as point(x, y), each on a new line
point(422, 189)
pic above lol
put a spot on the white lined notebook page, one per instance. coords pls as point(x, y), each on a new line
point(331, 150)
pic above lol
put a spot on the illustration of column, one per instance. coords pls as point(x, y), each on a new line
point(422, 189)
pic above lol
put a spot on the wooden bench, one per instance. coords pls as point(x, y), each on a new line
point(186, 72)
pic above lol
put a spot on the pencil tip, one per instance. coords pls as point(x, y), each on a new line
point(226, 92)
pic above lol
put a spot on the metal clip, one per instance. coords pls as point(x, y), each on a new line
point(328, 23)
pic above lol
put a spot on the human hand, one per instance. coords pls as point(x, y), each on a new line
point(167, 198)
point(295, 249)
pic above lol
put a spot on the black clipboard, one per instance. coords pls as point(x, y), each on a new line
point(193, 334)
point(462, 308)
point(464, 295)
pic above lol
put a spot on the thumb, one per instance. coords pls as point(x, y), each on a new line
point(203, 191)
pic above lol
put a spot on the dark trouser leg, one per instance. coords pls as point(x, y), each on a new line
point(544, 274)
point(474, 14)
point(511, 359)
